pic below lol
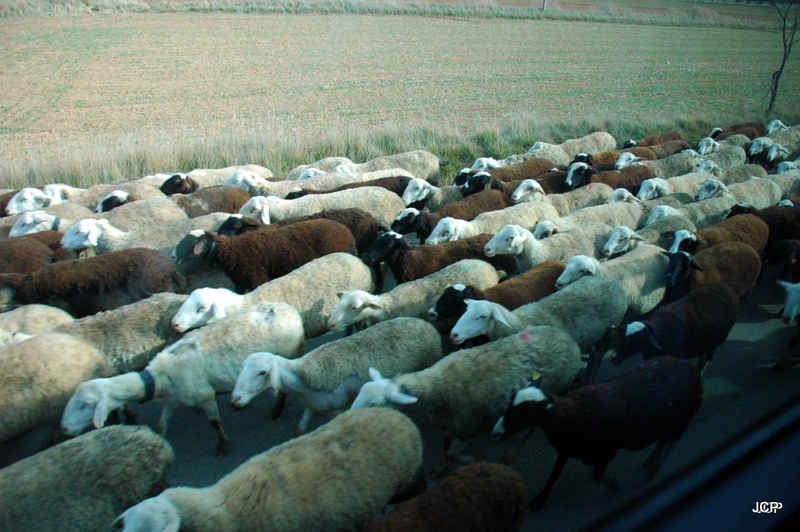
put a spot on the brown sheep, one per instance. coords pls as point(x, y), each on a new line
point(53, 240)
point(532, 285)
point(613, 156)
point(783, 222)
point(363, 225)
point(652, 140)
point(630, 178)
point(211, 199)
point(529, 169)
point(746, 228)
point(409, 263)
point(422, 222)
point(480, 497)
point(24, 255)
point(734, 263)
point(86, 286)
point(554, 182)
point(256, 257)
point(751, 130)
point(665, 149)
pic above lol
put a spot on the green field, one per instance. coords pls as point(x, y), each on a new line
point(116, 95)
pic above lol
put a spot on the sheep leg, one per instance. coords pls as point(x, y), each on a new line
point(130, 415)
point(212, 411)
point(653, 462)
point(538, 501)
point(451, 447)
point(599, 476)
point(279, 406)
point(595, 359)
point(305, 420)
point(786, 361)
point(163, 421)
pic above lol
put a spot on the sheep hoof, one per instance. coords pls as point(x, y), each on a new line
point(222, 449)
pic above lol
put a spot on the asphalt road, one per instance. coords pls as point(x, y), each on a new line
point(739, 388)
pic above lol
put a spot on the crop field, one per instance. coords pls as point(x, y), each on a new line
point(149, 82)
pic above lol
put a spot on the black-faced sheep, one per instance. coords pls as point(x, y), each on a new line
point(651, 403)
point(746, 228)
point(256, 257)
point(554, 182)
point(107, 471)
point(612, 156)
point(297, 486)
point(363, 225)
point(115, 199)
point(529, 169)
point(734, 263)
point(527, 287)
point(692, 326)
point(480, 497)
point(87, 286)
point(652, 140)
point(485, 181)
point(750, 129)
point(179, 184)
point(629, 178)
point(422, 222)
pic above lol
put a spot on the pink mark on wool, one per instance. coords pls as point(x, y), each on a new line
point(590, 187)
point(525, 336)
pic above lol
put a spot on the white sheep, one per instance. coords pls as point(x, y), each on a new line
point(736, 174)
point(245, 180)
point(525, 214)
point(419, 190)
point(706, 146)
point(528, 251)
point(325, 165)
point(361, 309)
point(657, 187)
point(33, 319)
point(68, 210)
point(104, 237)
point(566, 203)
point(622, 195)
point(727, 156)
point(38, 377)
point(467, 391)
point(673, 165)
point(585, 310)
point(659, 233)
point(338, 477)
point(325, 181)
point(610, 214)
point(755, 192)
point(192, 371)
point(312, 289)
point(788, 180)
point(396, 346)
point(641, 273)
point(701, 213)
point(483, 164)
point(107, 471)
point(420, 163)
point(12, 337)
point(381, 203)
point(32, 199)
point(128, 217)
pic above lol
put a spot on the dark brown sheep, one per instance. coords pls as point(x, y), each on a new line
point(734, 263)
point(114, 200)
point(630, 178)
point(408, 263)
point(396, 184)
point(652, 403)
point(783, 222)
point(554, 182)
point(529, 169)
point(690, 327)
point(256, 257)
point(211, 199)
point(480, 497)
point(179, 184)
point(652, 140)
point(527, 287)
point(422, 222)
point(53, 240)
point(86, 286)
point(746, 228)
point(751, 130)
point(613, 156)
point(21, 254)
point(665, 149)
point(363, 225)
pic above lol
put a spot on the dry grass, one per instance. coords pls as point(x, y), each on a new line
point(114, 96)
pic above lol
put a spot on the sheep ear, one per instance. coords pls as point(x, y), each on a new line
point(636, 236)
point(700, 241)
point(497, 315)
point(372, 305)
point(662, 188)
point(198, 248)
point(401, 398)
point(694, 265)
point(101, 412)
point(218, 309)
point(648, 334)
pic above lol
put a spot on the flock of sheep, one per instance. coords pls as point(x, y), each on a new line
point(508, 289)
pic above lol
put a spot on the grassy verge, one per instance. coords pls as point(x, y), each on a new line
point(78, 163)
point(674, 14)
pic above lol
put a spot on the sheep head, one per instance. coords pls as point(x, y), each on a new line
point(33, 222)
point(260, 371)
point(577, 266)
point(526, 410)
